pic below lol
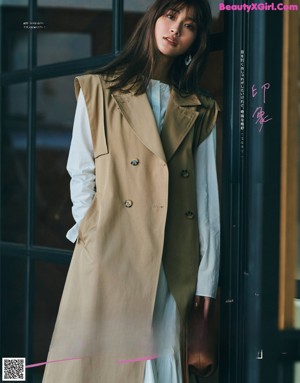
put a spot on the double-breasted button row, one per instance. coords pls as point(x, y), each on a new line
point(128, 203)
point(134, 162)
point(185, 173)
point(189, 215)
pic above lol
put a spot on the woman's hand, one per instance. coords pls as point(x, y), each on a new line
point(205, 304)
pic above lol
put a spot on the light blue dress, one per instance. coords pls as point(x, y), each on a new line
point(167, 368)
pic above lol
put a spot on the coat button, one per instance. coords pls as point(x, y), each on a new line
point(185, 173)
point(128, 203)
point(190, 215)
point(135, 162)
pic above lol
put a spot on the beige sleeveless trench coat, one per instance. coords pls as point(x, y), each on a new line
point(144, 212)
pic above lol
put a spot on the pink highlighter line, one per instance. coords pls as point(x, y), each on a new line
point(119, 361)
point(51, 361)
point(137, 359)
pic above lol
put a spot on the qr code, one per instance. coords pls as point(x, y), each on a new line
point(13, 369)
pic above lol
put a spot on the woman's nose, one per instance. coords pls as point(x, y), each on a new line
point(174, 29)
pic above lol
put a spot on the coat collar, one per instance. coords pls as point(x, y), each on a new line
point(180, 117)
point(181, 114)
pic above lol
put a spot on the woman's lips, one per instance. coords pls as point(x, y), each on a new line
point(171, 41)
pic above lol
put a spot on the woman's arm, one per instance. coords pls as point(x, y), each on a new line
point(208, 217)
point(81, 166)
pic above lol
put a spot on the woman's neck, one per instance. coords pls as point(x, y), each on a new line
point(162, 69)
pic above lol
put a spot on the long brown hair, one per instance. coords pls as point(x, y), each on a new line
point(136, 63)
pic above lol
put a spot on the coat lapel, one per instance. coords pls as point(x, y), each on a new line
point(180, 117)
point(139, 115)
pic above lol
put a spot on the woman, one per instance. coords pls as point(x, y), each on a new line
point(145, 202)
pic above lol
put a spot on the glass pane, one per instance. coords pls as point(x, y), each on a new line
point(297, 372)
point(14, 35)
point(79, 35)
point(138, 6)
point(13, 279)
point(297, 313)
point(56, 104)
point(14, 163)
point(134, 10)
point(47, 297)
point(218, 16)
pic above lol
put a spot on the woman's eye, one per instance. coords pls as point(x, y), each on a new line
point(170, 16)
point(189, 26)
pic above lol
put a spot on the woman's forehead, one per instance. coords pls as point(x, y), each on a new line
point(182, 7)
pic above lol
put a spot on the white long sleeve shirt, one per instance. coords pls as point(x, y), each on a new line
point(81, 167)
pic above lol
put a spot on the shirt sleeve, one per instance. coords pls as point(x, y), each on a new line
point(81, 166)
point(208, 216)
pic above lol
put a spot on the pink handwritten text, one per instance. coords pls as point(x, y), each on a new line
point(261, 118)
point(259, 113)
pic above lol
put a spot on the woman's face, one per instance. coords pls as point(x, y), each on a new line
point(175, 32)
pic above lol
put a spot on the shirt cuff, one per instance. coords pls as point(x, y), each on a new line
point(73, 233)
point(207, 291)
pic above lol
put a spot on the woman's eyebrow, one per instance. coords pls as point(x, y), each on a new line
point(178, 11)
point(174, 10)
point(190, 18)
